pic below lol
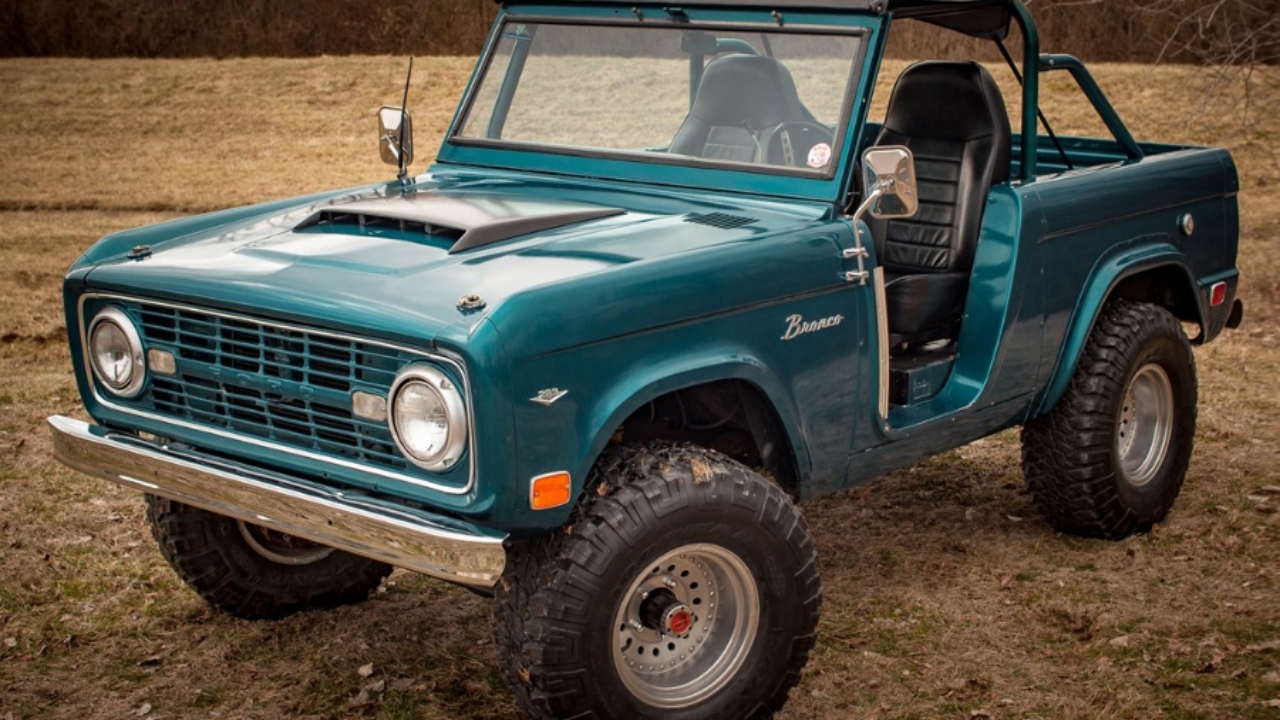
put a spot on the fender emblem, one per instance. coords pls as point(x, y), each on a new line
point(796, 325)
point(548, 396)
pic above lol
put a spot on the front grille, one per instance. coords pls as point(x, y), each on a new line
point(245, 346)
point(286, 385)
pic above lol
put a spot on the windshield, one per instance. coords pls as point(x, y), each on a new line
point(772, 99)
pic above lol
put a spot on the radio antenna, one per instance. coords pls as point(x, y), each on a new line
point(404, 105)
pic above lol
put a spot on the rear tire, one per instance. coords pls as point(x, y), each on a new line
point(1110, 459)
point(256, 573)
point(685, 586)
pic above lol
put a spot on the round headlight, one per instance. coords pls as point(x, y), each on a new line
point(115, 351)
point(428, 418)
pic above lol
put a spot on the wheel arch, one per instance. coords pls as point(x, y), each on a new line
point(1158, 275)
point(767, 413)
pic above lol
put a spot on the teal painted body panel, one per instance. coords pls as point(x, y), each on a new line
point(694, 275)
point(997, 354)
point(719, 314)
point(118, 244)
point(1105, 223)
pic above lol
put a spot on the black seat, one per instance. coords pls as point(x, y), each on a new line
point(952, 117)
point(740, 98)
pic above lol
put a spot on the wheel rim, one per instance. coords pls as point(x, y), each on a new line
point(685, 626)
point(1146, 425)
point(282, 547)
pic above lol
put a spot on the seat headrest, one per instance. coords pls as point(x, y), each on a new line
point(746, 90)
point(947, 100)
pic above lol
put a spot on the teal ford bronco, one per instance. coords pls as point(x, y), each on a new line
point(664, 280)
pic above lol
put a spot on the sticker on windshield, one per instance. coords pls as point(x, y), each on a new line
point(819, 155)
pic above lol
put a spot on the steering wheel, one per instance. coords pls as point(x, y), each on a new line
point(799, 143)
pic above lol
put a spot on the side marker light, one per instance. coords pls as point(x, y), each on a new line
point(550, 490)
point(1218, 294)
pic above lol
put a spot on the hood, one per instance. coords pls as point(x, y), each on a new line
point(395, 261)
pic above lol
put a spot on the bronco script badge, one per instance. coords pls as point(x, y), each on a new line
point(796, 325)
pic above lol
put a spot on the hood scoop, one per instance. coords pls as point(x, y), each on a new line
point(722, 221)
point(470, 221)
point(339, 218)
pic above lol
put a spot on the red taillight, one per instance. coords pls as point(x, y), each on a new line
point(1218, 294)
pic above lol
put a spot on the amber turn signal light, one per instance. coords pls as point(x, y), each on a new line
point(550, 490)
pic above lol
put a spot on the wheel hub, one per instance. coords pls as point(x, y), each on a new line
point(685, 626)
point(661, 611)
point(1145, 425)
point(677, 621)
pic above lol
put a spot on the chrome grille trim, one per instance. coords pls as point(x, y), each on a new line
point(454, 364)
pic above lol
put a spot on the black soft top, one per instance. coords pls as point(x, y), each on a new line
point(981, 18)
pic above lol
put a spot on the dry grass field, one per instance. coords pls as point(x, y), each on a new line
point(945, 595)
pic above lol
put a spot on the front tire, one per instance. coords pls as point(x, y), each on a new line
point(1110, 459)
point(256, 573)
point(686, 587)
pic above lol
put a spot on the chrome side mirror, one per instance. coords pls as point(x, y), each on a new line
point(889, 191)
point(889, 181)
point(395, 142)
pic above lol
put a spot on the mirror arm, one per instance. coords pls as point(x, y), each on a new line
point(859, 251)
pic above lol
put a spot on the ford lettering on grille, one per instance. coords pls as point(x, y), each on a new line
point(286, 385)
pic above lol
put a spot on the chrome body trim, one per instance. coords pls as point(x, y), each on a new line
point(436, 357)
point(882, 340)
point(549, 396)
point(402, 536)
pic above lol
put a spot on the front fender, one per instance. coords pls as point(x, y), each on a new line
point(588, 389)
point(632, 393)
point(571, 432)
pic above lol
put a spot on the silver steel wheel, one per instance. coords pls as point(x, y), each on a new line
point(1146, 425)
point(280, 547)
point(685, 626)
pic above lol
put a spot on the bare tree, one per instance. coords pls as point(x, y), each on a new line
point(1231, 38)
point(1235, 34)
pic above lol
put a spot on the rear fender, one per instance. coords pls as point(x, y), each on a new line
point(1108, 276)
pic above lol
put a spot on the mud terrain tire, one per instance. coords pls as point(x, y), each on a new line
point(606, 618)
point(1109, 460)
point(254, 573)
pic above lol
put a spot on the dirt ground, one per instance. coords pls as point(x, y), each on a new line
point(945, 595)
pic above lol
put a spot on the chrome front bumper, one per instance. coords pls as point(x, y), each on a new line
point(431, 544)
